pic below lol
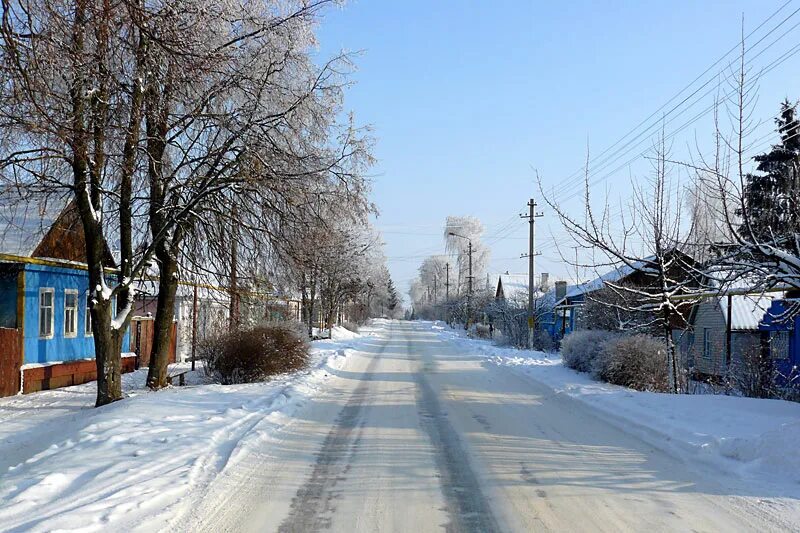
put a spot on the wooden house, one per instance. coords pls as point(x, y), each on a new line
point(724, 332)
point(46, 338)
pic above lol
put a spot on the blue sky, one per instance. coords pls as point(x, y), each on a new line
point(468, 98)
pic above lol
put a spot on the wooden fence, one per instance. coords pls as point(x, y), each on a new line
point(10, 361)
point(142, 330)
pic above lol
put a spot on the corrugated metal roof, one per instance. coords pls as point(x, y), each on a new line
point(747, 311)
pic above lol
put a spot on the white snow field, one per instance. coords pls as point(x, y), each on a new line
point(413, 428)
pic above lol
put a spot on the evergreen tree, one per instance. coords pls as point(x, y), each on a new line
point(393, 301)
point(772, 197)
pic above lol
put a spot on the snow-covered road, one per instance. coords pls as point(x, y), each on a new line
point(415, 433)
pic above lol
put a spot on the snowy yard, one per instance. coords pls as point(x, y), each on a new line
point(752, 437)
point(66, 465)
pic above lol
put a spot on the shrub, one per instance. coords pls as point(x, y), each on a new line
point(246, 356)
point(579, 349)
point(481, 331)
point(350, 326)
point(635, 361)
point(543, 341)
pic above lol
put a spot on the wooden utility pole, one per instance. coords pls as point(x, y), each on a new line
point(469, 286)
point(531, 255)
point(447, 292)
point(194, 324)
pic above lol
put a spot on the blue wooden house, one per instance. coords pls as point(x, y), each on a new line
point(46, 337)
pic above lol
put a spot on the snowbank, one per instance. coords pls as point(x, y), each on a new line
point(67, 465)
point(747, 436)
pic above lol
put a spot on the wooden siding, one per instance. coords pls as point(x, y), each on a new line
point(10, 361)
point(708, 316)
point(65, 239)
point(142, 331)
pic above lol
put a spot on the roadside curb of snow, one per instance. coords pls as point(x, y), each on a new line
point(149, 452)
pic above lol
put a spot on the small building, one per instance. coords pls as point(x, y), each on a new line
point(713, 350)
point(46, 337)
point(512, 289)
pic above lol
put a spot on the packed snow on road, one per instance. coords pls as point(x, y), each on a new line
point(407, 426)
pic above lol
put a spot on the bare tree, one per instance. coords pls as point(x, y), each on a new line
point(646, 243)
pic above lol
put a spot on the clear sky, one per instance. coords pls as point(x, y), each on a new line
point(468, 98)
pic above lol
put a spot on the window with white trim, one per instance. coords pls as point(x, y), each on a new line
point(70, 312)
point(87, 328)
point(46, 312)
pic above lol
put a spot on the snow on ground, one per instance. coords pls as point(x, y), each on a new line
point(66, 465)
point(747, 436)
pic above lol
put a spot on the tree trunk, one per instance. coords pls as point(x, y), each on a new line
point(108, 358)
point(162, 324)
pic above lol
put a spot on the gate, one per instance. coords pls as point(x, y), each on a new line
point(142, 330)
point(10, 361)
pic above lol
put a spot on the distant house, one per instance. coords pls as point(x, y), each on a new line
point(709, 352)
point(46, 338)
point(633, 275)
point(512, 288)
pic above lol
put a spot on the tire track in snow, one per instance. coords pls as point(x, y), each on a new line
point(312, 507)
point(467, 507)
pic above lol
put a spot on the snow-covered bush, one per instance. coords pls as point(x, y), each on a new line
point(481, 331)
point(350, 326)
point(543, 341)
point(579, 349)
point(635, 361)
point(246, 356)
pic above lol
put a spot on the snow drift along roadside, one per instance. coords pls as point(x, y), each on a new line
point(66, 465)
point(746, 436)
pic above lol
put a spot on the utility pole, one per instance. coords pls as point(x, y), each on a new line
point(531, 255)
point(469, 278)
point(194, 324)
point(469, 286)
point(447, 292)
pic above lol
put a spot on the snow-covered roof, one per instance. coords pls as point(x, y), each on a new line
point(747, 311)
point(23, 225)
point(514, 285)
point(612, 276)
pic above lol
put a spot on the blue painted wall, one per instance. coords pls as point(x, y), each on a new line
point(57, 348)
point(785, 367)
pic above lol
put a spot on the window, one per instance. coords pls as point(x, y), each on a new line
point(46, 316)
point(70, 313)
point(87, 328)
point(779, 344)
point(707, 343)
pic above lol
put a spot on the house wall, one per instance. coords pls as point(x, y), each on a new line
point(708, 316)
point(744, 343)
point(57, 348)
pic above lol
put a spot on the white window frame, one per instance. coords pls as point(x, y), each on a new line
point(87, 324)
point(52, 292)
point(75, 310)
